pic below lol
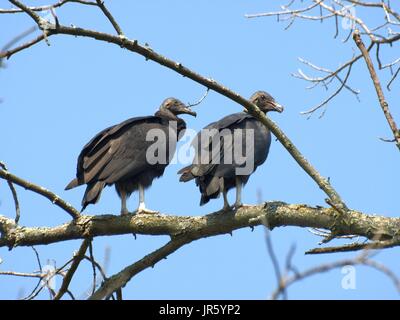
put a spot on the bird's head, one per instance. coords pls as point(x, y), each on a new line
point(265, 102)
point(176, 107)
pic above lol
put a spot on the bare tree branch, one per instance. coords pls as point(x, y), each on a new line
point(382, 34)
point(109, 16)
point(378, 88)
point(8, 53)
point(42, 191)
point(75, 263)
point(14, 194)
point(277, 214)
point(361, 259)
point(120, 279)
point(190, 105)
point(22, 274)
point(48, 7)
point(357, 246)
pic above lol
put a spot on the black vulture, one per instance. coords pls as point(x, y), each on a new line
point(119, 154)
point(219, 163)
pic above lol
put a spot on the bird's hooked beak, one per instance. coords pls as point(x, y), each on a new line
point(276, 107)
point(186, 110)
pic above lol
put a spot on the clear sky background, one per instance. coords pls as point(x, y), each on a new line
point(55, 98)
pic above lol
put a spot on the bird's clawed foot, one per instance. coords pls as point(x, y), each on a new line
point(239, 205)
point(143, 210)
point(146, 211)
point(227, 208)
point(235, 206)
point(138, 211)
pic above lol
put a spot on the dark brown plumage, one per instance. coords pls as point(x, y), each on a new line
point(217, 173)
point(118, 155)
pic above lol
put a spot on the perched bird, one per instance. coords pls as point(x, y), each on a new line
point(219, 164)
point(119, 154)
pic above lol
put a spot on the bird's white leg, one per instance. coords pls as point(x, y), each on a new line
point(142, 207)
point(124, 209)
point(226, 207)
point(239, 185)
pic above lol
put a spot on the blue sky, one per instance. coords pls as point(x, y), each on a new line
point(55, 98)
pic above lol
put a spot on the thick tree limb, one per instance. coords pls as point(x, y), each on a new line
point(278, 214)
point(272, 214)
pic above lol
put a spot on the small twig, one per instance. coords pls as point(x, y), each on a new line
point(375, 34)
point(14, 194)
point(393, 78)
point(119, 294)
point(381, 97)
point(109, 16)
point(382, 268)
point(40, 285)
point(41, 271)
point(22, 274)
point(279, 13)
point(53, 13)
point(47, 7)
point(74, 266)
point(119, 280)
point(18, 38)
point(70, 294)
point(387, 140)
point(30, 12)
point(8, 53)
point(37, 258)
point(362, 259)
point(42, 191)
point(289, 265)
point(93, 266)
point(323, 103)
point(324, 234)
point(98, 266)
point(190, 105)
point(356, 247)
point(275, 262)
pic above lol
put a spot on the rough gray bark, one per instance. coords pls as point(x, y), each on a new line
point(273, 214)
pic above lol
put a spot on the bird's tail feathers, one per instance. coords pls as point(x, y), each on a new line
point(74, 183)
point(204, 199)
point(210, 189)
point(186, 174)
point(92, 194)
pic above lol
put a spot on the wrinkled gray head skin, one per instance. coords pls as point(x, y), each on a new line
point(176, 107)
point(265, 102)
